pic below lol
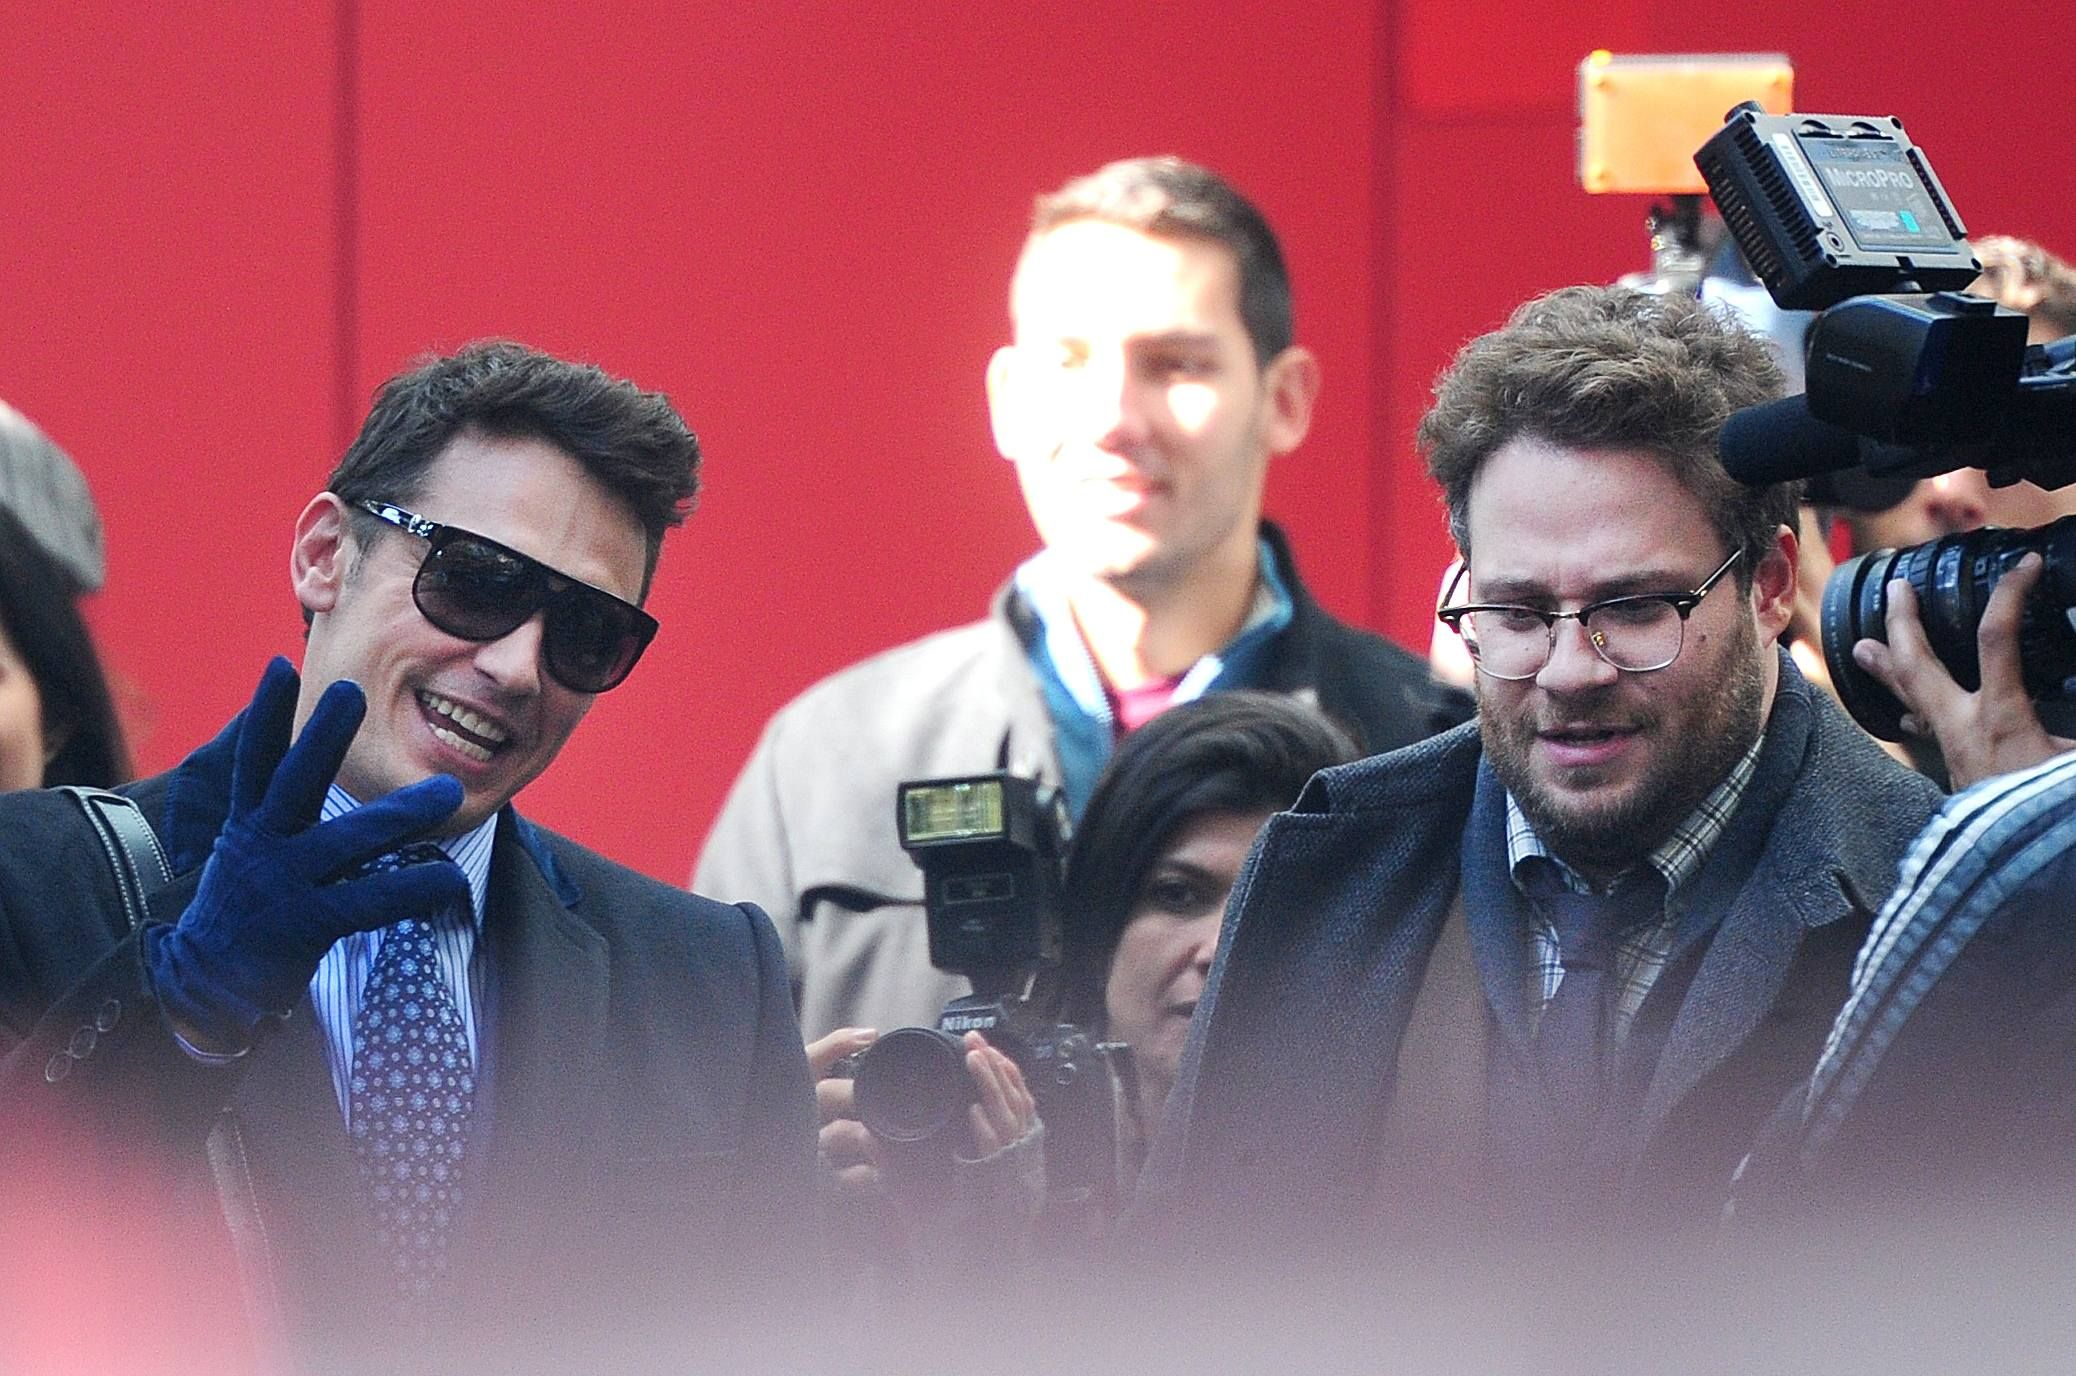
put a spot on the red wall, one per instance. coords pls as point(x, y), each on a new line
point(168, 244)
point(226, 224)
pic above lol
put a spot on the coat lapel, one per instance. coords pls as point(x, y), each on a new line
point(544, 1064)
point(1497, 917)
point(294, 1140)
point(1304, 933)
point(1740, 978)
point(1771, 887)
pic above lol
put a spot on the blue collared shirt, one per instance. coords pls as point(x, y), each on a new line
point(342, 975)
point(1083, 727)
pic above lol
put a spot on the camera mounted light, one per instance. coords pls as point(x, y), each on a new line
point(989, 847)
point(1826, 207)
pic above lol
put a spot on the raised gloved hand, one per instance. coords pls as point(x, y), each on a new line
point(279, 888)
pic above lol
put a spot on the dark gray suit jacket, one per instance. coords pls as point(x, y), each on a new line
point(1286, 1092)
point(645, 1131)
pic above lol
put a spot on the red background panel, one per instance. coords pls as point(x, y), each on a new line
point(168, 240)
point(1502, 57)
point(801, 224)
point(226, 225)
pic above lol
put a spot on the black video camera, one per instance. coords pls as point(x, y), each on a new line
point(1907, 377)
point(990, 847)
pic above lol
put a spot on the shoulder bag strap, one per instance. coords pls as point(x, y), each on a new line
point(134, 853)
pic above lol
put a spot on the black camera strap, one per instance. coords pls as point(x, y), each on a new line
point(134, 853)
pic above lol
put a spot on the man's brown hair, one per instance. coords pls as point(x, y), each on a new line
point(1167, 197)
point(1611, 368)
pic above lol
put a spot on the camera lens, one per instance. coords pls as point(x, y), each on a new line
point(1853, 609)
point(911, 1084)
point(1953, 577)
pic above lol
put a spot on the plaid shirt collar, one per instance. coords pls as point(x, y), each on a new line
point(1678, 858)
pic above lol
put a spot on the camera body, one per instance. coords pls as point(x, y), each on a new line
point(1907, 377)
point(911, 1087)
point(991, 848)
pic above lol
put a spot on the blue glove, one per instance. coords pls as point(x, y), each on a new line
point(279, 889)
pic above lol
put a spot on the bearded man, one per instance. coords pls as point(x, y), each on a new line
point(1551, 971)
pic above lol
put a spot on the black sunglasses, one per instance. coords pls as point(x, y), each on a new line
point(477, 589)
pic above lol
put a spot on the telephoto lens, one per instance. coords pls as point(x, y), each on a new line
point(1953, 577)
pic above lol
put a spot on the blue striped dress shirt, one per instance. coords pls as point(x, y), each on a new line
point(342, 975)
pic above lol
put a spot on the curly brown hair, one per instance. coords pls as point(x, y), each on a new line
point(1612, 368)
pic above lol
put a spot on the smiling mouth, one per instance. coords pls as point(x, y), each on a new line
point(1585, 735)
point(1123, 488)
point(1586, 746)
point(475, 736)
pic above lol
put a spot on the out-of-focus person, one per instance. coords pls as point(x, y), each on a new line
point(58, 723)
point(1154, 860)
point(1542, 978)
point(1952, 502)
point(1153, 375)
point(2026, 277)
point(1944, 1104)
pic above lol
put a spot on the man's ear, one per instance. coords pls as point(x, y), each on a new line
point(322, 552)
point(1773, 585)
point(1291, 382)
point(1006, 403)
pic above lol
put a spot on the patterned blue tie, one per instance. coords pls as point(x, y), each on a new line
point(1575, 1040)
point(412, 1091)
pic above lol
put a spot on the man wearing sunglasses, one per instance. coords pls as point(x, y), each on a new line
point(493, 1081)
point(1549, 973)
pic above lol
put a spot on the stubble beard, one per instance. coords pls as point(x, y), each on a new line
point(1605, 836)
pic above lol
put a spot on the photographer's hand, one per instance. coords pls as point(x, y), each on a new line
point(1992, 731)
point(846, 1145)
point(278, 889)
point(1004, 1110)
point(931, 1199)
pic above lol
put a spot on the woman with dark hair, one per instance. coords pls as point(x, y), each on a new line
point(1172, 817)
point(57, 719)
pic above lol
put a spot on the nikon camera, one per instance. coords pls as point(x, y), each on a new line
point(990, 847)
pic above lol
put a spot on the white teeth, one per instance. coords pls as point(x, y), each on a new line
point(465, 719)
point(468, 748)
